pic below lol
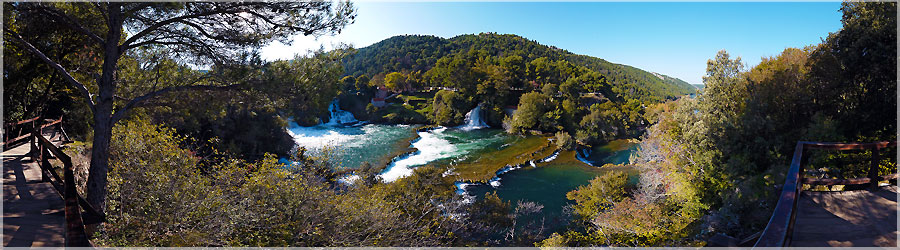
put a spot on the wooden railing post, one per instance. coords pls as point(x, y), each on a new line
point(778, 232)
point(62, 132)
point(35, 130)
point(75, 233)
point(44, 162)
point(873, 170)
point(6, 128)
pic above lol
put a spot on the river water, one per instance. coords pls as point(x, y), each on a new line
point(352, 143)
point(544, 182)
point(445, 146)
point(350, 146)
point(547, 183)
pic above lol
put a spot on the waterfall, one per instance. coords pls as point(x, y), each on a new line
point(338, 116)
point(473, 120)
point(583, 154)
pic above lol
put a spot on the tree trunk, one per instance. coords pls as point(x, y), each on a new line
point(96, 184)
point(97, 178)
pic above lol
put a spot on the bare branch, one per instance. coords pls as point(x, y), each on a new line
point(149, 96)
point(62, 71)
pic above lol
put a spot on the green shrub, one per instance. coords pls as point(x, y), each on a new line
point(564, 141)
point(158, 197)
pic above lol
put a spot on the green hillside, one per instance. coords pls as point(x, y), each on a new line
point(410, 53)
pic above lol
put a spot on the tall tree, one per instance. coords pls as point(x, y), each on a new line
point(395, 81)
point(211, 34)
point(854, 71)
point(36, 87)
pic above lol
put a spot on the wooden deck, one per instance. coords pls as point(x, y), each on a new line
point(33, 211)
point(863, 218)
point(860, 218)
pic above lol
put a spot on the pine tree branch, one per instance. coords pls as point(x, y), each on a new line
point(62, 71)
point(137, 101)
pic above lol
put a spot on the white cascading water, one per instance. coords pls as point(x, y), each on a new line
point(338, 116)
point(473, 120)
point(582, 156)
point(430, 147)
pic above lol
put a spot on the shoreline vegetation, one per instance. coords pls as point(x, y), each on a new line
point(484, 168)
point(608, 154)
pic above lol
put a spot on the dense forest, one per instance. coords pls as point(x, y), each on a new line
point(552, 90)
point(711, 164)
point(177, 156)
point(419, 53)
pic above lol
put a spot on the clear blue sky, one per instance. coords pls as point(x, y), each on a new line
point(675, 39)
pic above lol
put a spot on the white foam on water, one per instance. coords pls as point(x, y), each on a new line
point(461, 187)
point(461, 190)
point(581, 156)
point(437, 144)
point(551, 157)
point(495, 182)
point(473, 120)
point(338, 116)
point(507, 169)
point(351, 145)
point(327, 134)
point(349, 179)
point(322, 135)
point(430, 147)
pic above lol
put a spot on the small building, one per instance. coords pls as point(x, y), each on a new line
point(382, 92)
point(380, 95)
point(378, 102)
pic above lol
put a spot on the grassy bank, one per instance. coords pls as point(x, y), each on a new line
point(483, 168)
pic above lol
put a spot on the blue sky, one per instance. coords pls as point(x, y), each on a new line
point(675, 39)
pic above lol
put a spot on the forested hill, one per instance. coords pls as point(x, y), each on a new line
point(411, 53)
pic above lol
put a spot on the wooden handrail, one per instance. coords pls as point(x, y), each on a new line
point(17, 138)
point(52, 123)
point(76, 235)
point(22, 121)
point(11, 126)
point(852, 181)
point(847, 146)
point(778, 230)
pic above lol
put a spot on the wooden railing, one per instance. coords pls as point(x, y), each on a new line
point(13, 131)
point(778, 231)
point(42, 150)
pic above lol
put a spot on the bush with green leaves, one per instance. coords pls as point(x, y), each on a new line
point(533, 113)
point(449, 108)
point(564, 141)
point(159, 195)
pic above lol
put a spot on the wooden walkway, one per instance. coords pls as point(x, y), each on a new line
point(33, 212)
point(860, 218)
